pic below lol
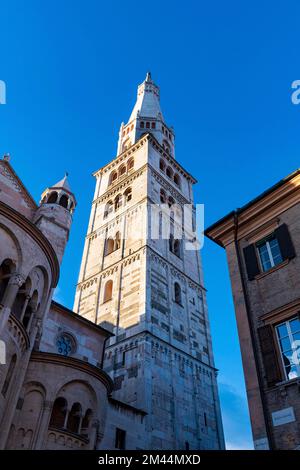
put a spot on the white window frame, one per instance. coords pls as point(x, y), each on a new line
point(290, 336)
point(267, 243)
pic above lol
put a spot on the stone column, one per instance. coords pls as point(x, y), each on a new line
point(27, 298)
point(14, 284)
point(42, 430)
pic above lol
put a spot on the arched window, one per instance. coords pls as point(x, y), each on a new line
point(177, 293)
point(122, 170)
point(52, 199)
point(128, 195)
point(31, 307)
point(171, 242)
point(86, 422)
point(74, 418)
point(112, 177)
point(153, 125)
point(166, 146)
point(177, 179)
point(64, 201)
point(130, 164)
point(21, 299)
point(117, 241)
point(108, 291)
point(6, 269)
point(147, 125)
point(176, 249)
point(142, 124)
point(109, 246)
point(162, 165)
point(126, 144)
point(163, 196)
point(9, 374)
point(118, 202)
point(171, 201)
point(169, 172)
point(175, 246)
point(59, 412)
point(108, 209)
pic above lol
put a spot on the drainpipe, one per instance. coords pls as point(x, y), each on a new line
point(252, 335)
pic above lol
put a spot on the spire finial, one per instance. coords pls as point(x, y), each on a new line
point(148, 77)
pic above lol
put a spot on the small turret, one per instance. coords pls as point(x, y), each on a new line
point(54, 214)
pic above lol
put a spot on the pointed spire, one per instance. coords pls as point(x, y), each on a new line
point(147, 104)
point(63, 183)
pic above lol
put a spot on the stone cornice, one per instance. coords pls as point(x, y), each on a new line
point(108, 270)
point(129, 152)
point(30, 229)
point(74, 363)
point(266, 207)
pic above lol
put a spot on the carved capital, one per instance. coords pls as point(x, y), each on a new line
point(16, 280)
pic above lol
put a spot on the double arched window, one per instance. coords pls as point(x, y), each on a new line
point(169, 172)
point(123, 169)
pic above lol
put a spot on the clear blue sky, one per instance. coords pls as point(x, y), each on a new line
point(225, 70)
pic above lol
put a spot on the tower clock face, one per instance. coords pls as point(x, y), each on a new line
point(65, 345)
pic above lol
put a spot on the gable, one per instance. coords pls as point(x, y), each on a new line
point(13, 192)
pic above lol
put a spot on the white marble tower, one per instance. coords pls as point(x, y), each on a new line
point(150, 292)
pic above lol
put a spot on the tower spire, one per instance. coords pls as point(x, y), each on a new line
point(146, 117)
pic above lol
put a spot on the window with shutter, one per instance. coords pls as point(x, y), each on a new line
point(251, 262)
point(285, 242)
point(269, 355)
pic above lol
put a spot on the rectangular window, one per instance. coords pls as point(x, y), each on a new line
point(120, 439)
point(269, 253)
point(288, 335)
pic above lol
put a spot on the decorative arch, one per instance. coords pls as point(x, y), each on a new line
point(130, 164)
point(177, 180)
point(52, 198)
point(59, 413)
point(128, 195)
point(64, 201)
point(169, 172)
point(112, 177)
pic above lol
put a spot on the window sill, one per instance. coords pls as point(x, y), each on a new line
point(272, 270)
point(287, 383)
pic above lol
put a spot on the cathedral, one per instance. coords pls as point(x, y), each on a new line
point(131, 366)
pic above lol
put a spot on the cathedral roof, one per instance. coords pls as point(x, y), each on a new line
point(147, 103)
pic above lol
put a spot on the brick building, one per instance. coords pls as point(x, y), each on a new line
point(262, 242)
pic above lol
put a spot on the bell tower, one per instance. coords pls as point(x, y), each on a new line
point(54, 214)
point(149, 290)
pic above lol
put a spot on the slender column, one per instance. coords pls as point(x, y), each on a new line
point(14, 284)
point(66, 419)
point(27, 298)
point(42, 430)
